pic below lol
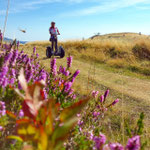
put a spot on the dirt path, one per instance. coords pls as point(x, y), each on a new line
point(134, 87)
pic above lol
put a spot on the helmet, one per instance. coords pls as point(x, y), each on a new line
point(52, 22)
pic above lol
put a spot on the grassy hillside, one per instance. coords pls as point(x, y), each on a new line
point(128, 51)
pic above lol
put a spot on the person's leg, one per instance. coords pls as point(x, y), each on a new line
point(52, 41)
point(56, 47)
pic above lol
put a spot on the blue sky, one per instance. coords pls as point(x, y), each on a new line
point(74, 18)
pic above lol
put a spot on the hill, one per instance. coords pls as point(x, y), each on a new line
point(130, 52)
point(11, 40)
point(121, 36)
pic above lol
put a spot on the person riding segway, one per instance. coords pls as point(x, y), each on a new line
point(53, 31)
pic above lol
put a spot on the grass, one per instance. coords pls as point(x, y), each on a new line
point(115, 63)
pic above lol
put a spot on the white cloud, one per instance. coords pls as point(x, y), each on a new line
point(101, 6)
point(106, 6)
point(17, 6)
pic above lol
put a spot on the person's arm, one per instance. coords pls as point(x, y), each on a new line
point(50, 31)
point(58, 31)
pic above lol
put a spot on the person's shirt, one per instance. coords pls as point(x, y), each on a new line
point(53, 31)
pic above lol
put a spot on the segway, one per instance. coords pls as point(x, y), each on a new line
point(60, 52)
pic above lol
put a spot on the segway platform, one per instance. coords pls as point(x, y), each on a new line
point(50, 52)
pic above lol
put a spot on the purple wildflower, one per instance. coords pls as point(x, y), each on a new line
point(53, 66)
point(80, 123)
point(14, 57)
point(21, 113)
point(12, 81)
point(95, 114)
point(60, 70)
point(70, 92)
point(133, 143)
point(1, 128)
point(74, 96)
point(37, 55)
point(8, 57)
point(4, 82)
point(116, 146)
point(13, 73)
point(66, 73)
point(76, 74)
point(68, 86)
point(106, 94)
point(34, 50)
point(99, 141)
point(42, 75)
point(2, 109)
point(115, 102)
point(4, 71)
point(95, 93)
point(69, 61)
point(102, 99)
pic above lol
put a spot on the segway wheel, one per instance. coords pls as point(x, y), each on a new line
point(48, 52)
point(62, 52)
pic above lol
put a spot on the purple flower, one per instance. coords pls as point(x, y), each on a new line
point(76, 74)
point(13, 73)
point(4, 71)
point(74, 96)
point(133, 143)
point(95, 114)
point(42, 75)
point(102, 99)
point(60, 70)
point(1, 128)
point(34, 50)
point(37, 55)
point(21, 113)
point(12, 81)
point(68, 86)
point(116, 146)
point(80, 123)
point(8, 57)
point(66, 73)
point(70, 92)
point(99, 141)
point(14, 57)
point(69, 61)
point(2, 109)
point(29, 75)
point(53, 66)
point(115, 102)
point(95, 93)
point(4, 82)
point(78, 115)
point(106, 94)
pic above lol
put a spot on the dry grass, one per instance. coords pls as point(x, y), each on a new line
point(131, 52)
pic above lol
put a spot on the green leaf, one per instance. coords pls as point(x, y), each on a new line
point(13, 137)
point(43, 140)
point(61, 133)
point(71, 111)
point(140, 124)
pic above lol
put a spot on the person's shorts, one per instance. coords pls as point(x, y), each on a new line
point(53, 38)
